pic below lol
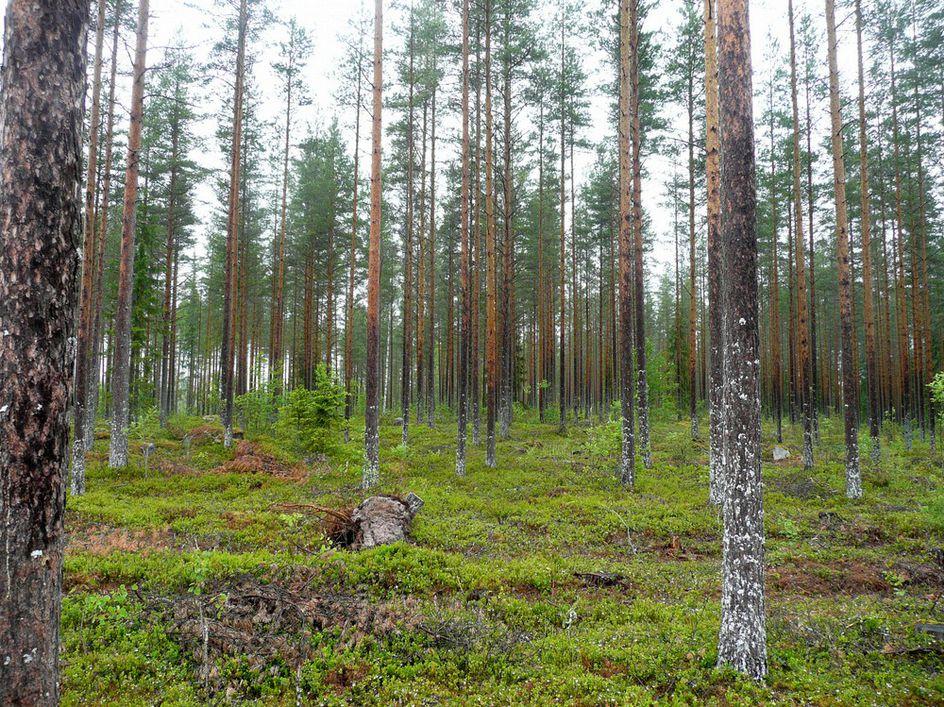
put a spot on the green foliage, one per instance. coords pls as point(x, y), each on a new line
point(145, 425)
point(256, 410)
point(937, 392)
point(310, 420)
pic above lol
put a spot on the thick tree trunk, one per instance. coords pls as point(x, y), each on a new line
point(464, 322)
point(865, 219)
point(642, 389)
point(849, 381)
point(491, 274)
point(371, 475)
point(715, 319)
point(232, 227)
point(742, 639)
point(627, 467)
point(43, 79)
point(121, 372)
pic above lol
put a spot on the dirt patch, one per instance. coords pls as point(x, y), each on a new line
point(815, 578)
point(101, 540)
point(268, 626)
point(250, 458)
point(674, 549)
point(927, 572)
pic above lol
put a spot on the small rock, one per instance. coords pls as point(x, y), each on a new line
point(398, 422)
point(781, 453)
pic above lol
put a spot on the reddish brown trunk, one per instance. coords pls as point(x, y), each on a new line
point(43, 79)
point(121, 372)
point(371, 474)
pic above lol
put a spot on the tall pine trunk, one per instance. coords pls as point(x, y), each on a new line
point(40, 178)
point(715, 319)
point(121, 372)
point(642, 389)
point(627, 468)
point(371, 475)
point(742, 642)
point(232, 228)
point(464, 320)
point(865, 220)
point(491, 275)
point(847, 332)
point(804, 375)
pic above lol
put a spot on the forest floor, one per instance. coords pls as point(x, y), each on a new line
point(204, 575)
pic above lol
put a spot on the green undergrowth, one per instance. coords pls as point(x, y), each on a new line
point(542, 581)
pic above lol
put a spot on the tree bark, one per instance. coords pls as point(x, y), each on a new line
point(491, 275)
point(865, 219)
point(803, 328)
point(43, 79)
point(627, 468)
point(371, 475)
point(742, 638)
point(464, 322)
point(642, 389)
point(232, 227)
point(715, 318)
point(849, 381)
point(121, 373)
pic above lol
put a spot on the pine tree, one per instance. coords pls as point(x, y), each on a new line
point(742, 639)
point(121, 372)
point(849, 382)
point(40, 172)
point(371, 473)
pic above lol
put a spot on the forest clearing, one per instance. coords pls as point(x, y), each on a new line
point(471, 352)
